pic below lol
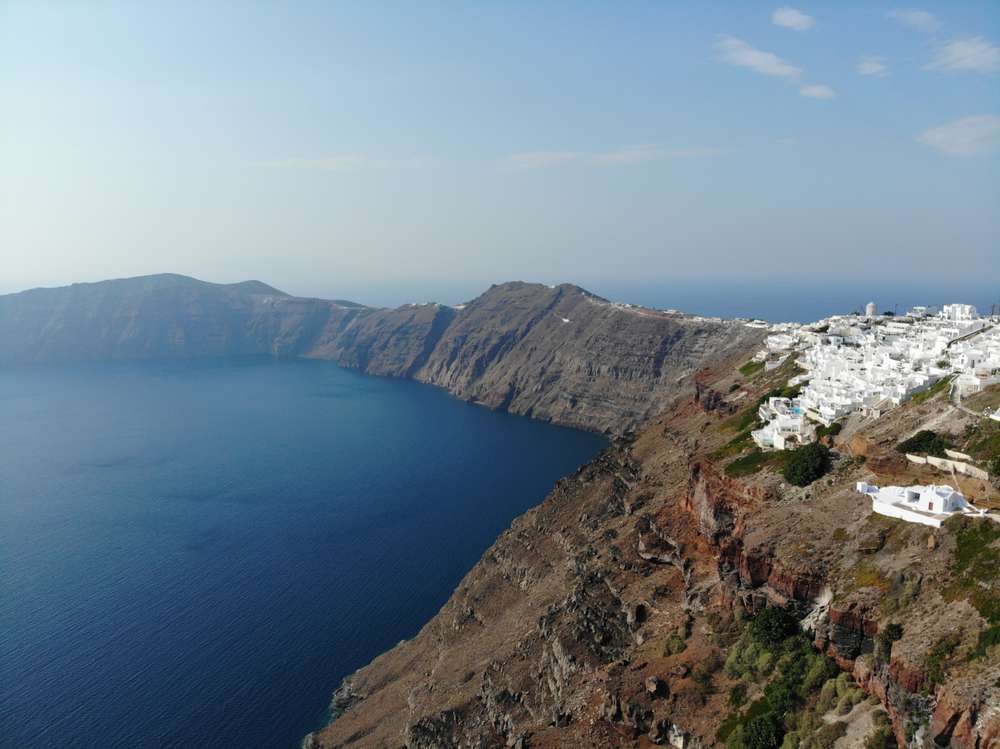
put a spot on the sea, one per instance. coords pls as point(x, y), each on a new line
point(194, 554)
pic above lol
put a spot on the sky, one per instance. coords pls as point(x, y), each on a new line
point(396, 151)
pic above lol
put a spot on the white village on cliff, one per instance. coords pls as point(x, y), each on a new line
point(870, 363)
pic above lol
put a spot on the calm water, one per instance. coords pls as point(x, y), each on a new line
point(194, 554)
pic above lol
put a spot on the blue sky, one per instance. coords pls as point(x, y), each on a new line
point(334, 148)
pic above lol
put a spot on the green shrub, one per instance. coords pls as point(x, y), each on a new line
point(886, 637)
point(738, 696)
point(764, 732)
point(751, 368)
point(816, 675)
point(772, 626)
point(925, 441)
point(827, 696)
point(674, 644)
point(798, 672)
point(829, 431)
point(806, 464)
point(762, 666)
point(843, 685)
point(733, 667)
point(844, 705)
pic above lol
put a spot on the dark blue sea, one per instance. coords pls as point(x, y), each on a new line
point(195, 554)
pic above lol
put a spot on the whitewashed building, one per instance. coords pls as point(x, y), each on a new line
point(959, 312)
point(928, 505)
point(852, 364)
point(869, 368)
point(786, 425)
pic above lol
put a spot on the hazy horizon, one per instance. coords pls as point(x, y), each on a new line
point(332, 149)
point(807, 301)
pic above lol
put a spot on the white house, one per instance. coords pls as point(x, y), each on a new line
point(785, 425)
point(927, 505)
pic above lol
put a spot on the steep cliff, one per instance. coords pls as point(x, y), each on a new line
point(556, 353)
point(619, 611)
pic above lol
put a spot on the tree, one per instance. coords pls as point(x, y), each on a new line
point(764, 732)
point(772, 626)
point(806, 464)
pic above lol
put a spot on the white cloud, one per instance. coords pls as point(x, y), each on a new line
point(737, 52)
point(974, 55)
point(540, 159)
point(872, 65)
point(341, 163)
point(818, 91)
point(919, 20)
point(792, 18)
point(626, 156)
point(969, 136)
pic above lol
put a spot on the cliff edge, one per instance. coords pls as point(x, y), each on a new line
point(557, 353)
point(672, 592)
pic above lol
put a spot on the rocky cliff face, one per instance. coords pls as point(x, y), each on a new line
point(603, 616)
point(558, 354)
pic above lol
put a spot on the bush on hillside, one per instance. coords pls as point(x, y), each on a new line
point(806, 464)
point(883, 643)
point(772, 626)
point(832, 431)
point(925, 441)
point(764, 732)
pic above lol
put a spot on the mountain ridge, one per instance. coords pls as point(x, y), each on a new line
point(557, 353)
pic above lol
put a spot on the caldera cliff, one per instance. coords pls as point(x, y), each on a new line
point(558, 353)
point(627, 610)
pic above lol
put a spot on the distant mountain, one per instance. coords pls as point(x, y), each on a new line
point(556, 353)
